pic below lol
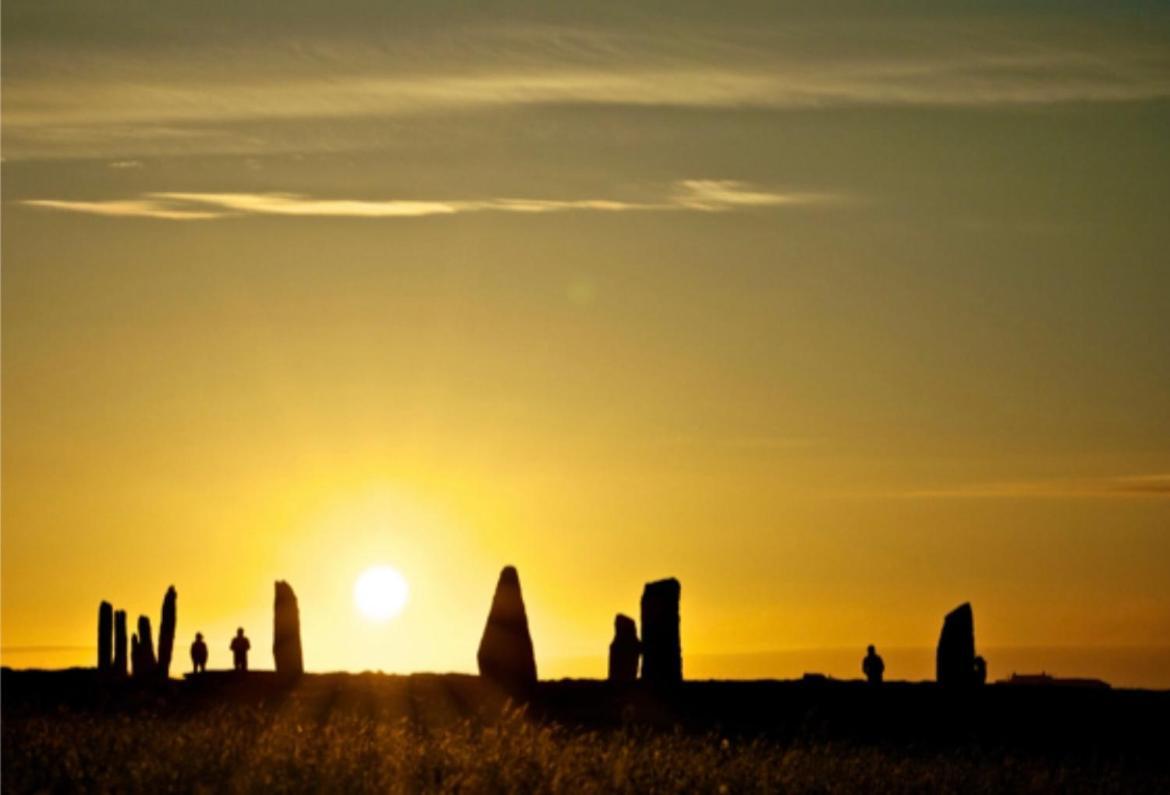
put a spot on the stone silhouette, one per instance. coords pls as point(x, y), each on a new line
point(199, 654)
point(120, 642)
point(105, 636)
point(624, 650)
point(505, 652)
point(661, 647)
point(873, 666)
point(144, 661)
point(955, 659)
point(166, 633)
point(239, 646)
point(286, 631)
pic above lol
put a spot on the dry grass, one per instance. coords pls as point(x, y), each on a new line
point(263, 748)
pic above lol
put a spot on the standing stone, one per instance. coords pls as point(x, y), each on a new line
point(166, 633)
point(661, 648)
point(105, 636)
point(135, 656)
point(286, 631)
point(505, 652)
point(120, 642)
point(624, 650)
point(955, 660)
point(146, 664)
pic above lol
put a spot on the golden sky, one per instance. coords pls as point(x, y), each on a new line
point(840, 318)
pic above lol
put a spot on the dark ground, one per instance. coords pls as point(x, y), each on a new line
point(71, 731)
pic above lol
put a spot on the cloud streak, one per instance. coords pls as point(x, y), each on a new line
point(711, 196)
point(125, 208)
point(208, 96)
point(1110, 487)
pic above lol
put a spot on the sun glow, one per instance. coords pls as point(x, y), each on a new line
point(380, 593)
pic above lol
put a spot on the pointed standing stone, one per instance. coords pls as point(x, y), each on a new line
point(286, 631)
point(105, 635)
point(955, 659)
point(661, 647)
point(624, 650)
point(120, 642)
point(505, 652)
point(166, 633)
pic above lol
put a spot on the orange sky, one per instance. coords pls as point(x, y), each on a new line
point(840, 320)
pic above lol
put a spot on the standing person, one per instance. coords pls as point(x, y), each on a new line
point(873, 667)
point(239, 647)
point(199, 653)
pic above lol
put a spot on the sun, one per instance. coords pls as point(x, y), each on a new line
point(380, 593)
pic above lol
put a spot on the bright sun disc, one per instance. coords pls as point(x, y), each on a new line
point(380, 593)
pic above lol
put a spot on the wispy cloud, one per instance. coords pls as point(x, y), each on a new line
point(960, 81)
point(686, 195)
point(717, 195)
point(1118, 486)
point(214, 96)
point(125, 208)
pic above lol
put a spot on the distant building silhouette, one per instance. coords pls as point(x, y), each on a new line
point(873, 666)
point(199, 654)
point(624, 650)
point(286, 631)
point(1048, 680)
point(505, 653)
point(105, 637)
point(239, 647)
point(955, 659)
point(166, 632)
point(661, 646)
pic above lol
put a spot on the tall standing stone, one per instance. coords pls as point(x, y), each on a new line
point(624, 650)
point(286, 631)
point(120, 642)
point(661, 647)
point(955, 659)
point(166, 633)
point(505, 652)
point(105, 636)
point(146, 664)
point(136, 669)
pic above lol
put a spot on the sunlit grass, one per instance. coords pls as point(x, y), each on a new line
point(259, 748)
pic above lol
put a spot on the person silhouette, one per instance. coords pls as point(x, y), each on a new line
point(199, 653)
point(980, 671)
point(872, 666)
point(239, 647)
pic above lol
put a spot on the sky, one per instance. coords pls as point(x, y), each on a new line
point(842, 316)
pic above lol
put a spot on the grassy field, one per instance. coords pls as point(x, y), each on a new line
point(431, 738)
point(251, 749)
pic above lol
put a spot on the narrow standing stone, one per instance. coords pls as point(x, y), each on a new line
point(624, 651)
point(955, 659)
point(286, 631)
point(120, 642)
point(147, 664)
point(135, 657)
point(661, 647)
point(166, 633)
point(105, 636)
